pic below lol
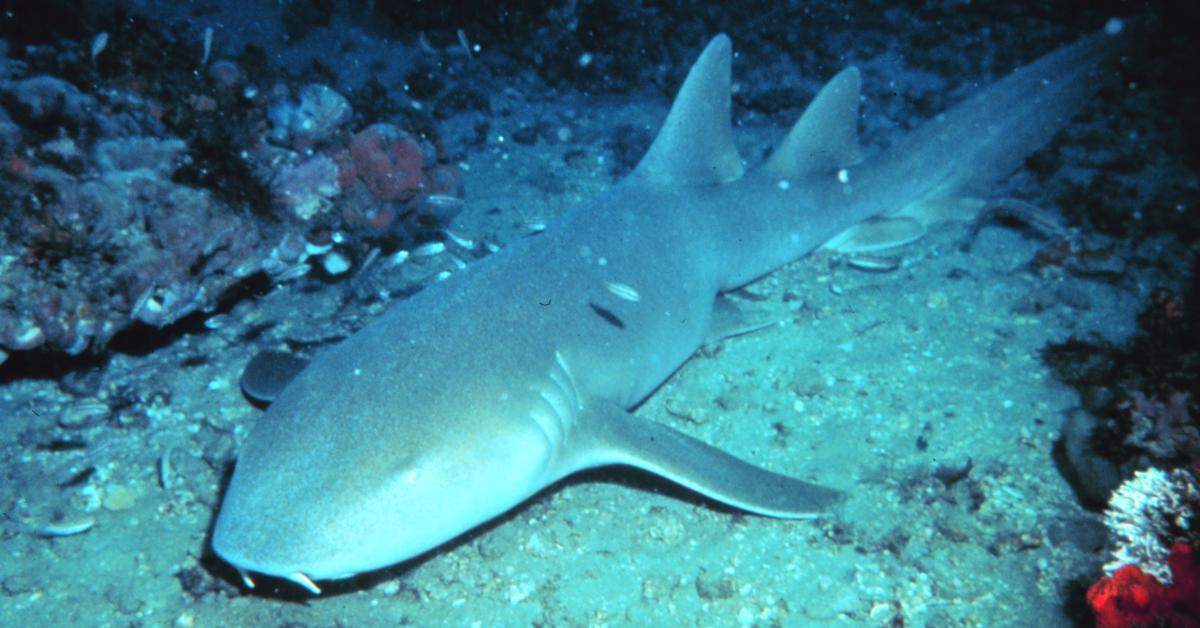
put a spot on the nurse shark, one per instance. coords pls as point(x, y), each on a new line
point(467, 398)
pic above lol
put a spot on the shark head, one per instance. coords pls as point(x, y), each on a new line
point(321, 522)
point(353, 469)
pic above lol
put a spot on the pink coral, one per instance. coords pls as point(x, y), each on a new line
point(388, 162)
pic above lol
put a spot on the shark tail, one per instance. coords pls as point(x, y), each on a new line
point(816, 188)
point(967, 149)
point(936, 172)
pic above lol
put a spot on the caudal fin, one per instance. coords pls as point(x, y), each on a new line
point(967, 149)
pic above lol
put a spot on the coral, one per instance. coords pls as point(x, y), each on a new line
point(316, 117)
point(1130, 597)
point(100, 234)
point(388, 162)
point(1147, 514)
point(376, 178)
point(141, 193)
point(157, 155)
point(1126, 598)
point(47, 96)
point(1163, 428)
point(305, 189)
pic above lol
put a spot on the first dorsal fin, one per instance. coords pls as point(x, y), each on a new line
point(695, 144)
point(826, 136)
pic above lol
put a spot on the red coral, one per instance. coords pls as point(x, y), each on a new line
point(1132, 598)
point(1184, 594)
point(388, 161)
point(1128, 598)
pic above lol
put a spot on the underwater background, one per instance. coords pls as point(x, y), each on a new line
point(187, 184)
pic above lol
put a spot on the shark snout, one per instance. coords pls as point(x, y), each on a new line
point(256, 551)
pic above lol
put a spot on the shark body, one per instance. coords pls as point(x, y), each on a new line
point(469, 397)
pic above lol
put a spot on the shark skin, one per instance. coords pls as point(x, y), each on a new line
point(466, 399)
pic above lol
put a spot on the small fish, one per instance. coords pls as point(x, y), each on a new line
point(462, 41)
point(208, 35)
point(623, 291)
point(99, 43)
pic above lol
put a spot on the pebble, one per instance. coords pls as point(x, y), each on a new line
point(335, 263)
point(119, 498)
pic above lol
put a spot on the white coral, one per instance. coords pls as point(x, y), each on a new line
point(1145, 514)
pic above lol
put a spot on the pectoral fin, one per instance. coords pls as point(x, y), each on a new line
point(610, 435)
point(731, 320)
point(877, 234)
point(269, 372)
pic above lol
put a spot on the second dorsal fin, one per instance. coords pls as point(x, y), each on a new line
point(825, 137)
